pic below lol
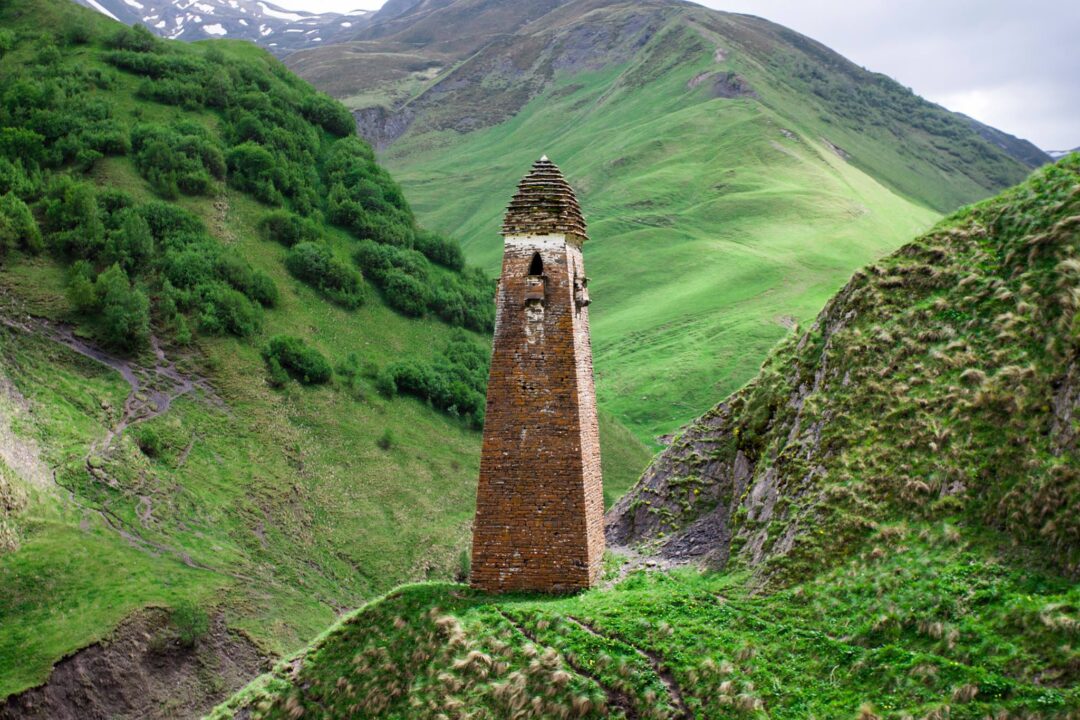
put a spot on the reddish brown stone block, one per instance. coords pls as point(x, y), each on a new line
point(540, 504)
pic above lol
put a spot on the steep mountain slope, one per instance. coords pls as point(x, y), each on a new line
point(238, 383)
point(892, 500)
point(942, 380)
point(695, 139)
point(278, 30)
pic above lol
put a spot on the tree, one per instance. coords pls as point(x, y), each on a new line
point(125, 310)
point(7, 42)
point(133, 244)
point(18, 228)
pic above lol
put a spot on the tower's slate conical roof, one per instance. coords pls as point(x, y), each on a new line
point(544, 205)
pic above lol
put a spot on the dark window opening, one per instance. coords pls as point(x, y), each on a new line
point(536, 267)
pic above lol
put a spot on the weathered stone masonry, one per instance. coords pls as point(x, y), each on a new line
point(539, 506)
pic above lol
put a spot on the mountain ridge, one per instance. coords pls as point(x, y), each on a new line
point(280, 31)
point(689, 134)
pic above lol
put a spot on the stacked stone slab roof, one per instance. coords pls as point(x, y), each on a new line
point(544, 204)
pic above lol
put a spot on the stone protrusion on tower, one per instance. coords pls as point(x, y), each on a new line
point(544, 204)
point(540, 502)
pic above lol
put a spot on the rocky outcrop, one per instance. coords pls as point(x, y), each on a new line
point(142, 672)
point(940, 383)
point(381, 126)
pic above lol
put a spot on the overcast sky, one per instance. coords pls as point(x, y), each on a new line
point(1013, 65)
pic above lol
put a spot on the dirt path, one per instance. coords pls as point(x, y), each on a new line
point(633, 560)
point(153, 389)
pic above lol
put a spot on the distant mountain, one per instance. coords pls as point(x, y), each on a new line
point(733, 172)
point(1058, 154)
point(1018, 148)
point(280, 31)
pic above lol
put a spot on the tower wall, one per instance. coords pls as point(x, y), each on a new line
point(539, 515)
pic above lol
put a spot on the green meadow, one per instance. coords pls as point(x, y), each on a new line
point(715, 224)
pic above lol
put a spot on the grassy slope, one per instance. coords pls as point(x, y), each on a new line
point(284, 497)
point(941, 380)
point(932, 555)
point(709, 226)
point(919, 624)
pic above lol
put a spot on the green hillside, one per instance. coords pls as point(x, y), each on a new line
point(733, 172)
point(887, 511)
point(237, 380)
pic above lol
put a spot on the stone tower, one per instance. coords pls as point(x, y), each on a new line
point(540, 505)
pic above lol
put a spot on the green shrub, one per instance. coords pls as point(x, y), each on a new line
point(454, 380)
point(195, 263)
point(405, 293)
point(464, 566)
point(77, 32)
point(224, 310)
point(327, 112)
point(132, 244)
point(188, 95)
point(295, 357)
point(191, 622)
point(177, 159)
point(14, 178)
point(73, 218)
point(80, 289)
point(124, 310)
point(157, 65)
point(167, 221)
point(254, 169)
point(288, 228)
point(255, 284)
point(136, 38)
point(439, 249)
point(149, 440)
point(386, 440)
point(411, 286)
point(18, 228)
point(364, 198)
point(7, 42)
point(315, 264)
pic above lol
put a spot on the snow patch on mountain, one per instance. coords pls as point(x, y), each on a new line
point(279, 14)
point(254, 20)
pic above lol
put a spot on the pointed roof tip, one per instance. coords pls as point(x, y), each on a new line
point(544, 204)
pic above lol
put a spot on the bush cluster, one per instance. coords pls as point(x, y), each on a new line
point(18, 228)
point(315, 264)
point(182, 158)
point(134, 263)
point(122, 311)
point(288, 356)
point(413, 287)
point(454, 380)
point(162, 250)
point(288, 228)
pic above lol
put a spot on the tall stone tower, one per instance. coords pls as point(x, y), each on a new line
point(540, 505)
